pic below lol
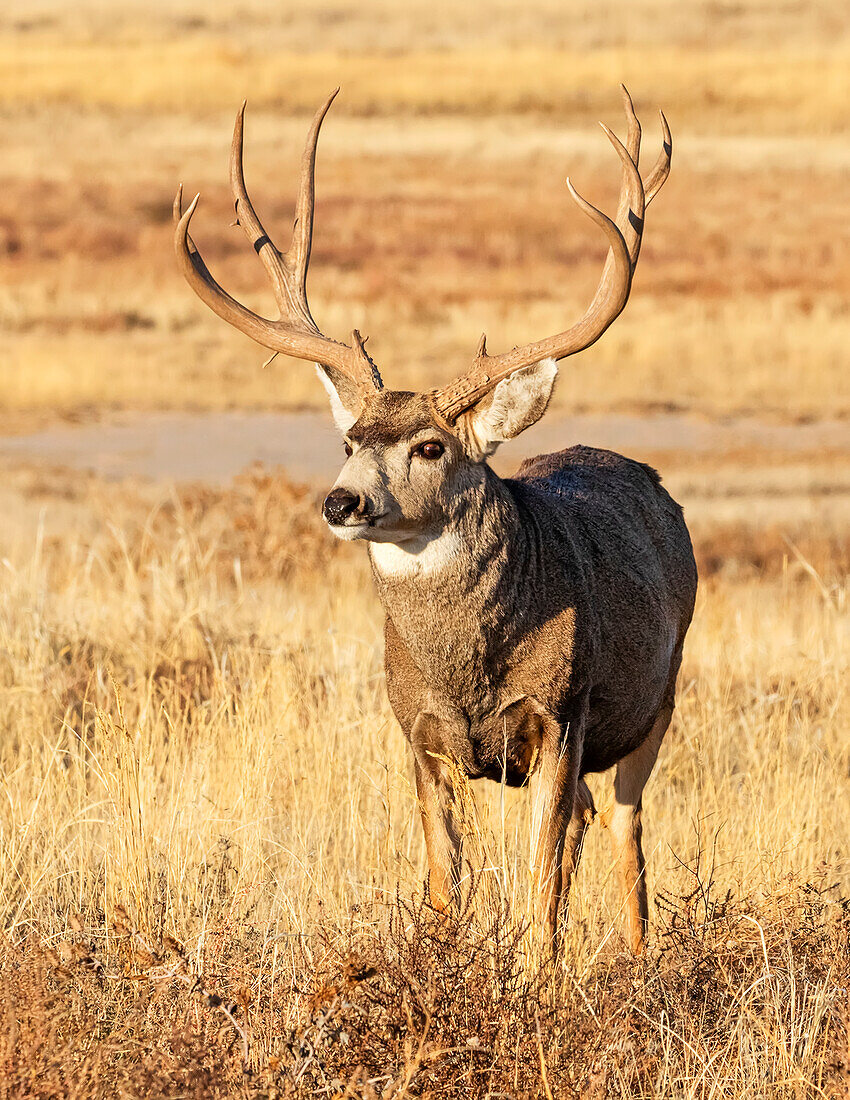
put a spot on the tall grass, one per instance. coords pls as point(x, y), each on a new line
point(195, 733)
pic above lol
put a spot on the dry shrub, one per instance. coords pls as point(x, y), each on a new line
point(462, 1012)
point(260, 527)
point(66, 1031)
point(261, 519)
point(272, 526)
point(400, 1003)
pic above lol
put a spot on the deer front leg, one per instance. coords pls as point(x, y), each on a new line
point(436, 807)
point(553, 793)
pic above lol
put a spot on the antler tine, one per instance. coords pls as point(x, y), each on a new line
point(246, 216)
point(630, 211)
point(295, 333)
point(298, 256)
point(634, 132)
point(661, 169)
point(624, 239)
point(632, 203)
point(288, 273)
point(632, 144)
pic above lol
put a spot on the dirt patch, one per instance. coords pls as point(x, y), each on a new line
point(215, 447)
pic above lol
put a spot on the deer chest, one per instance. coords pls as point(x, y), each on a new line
point(502, 745)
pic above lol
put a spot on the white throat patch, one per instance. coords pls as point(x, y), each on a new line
point(416, 557)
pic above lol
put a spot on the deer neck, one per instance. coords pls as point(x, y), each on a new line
point(452, 597)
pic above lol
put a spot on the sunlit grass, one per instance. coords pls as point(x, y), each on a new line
point(787, 92)
point(194, 728)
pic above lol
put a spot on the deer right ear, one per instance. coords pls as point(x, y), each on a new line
point(343, 397)
point(514, 405)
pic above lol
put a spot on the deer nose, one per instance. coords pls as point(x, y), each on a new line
point(339, 505)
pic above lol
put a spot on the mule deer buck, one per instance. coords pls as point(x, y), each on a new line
point(534, 625)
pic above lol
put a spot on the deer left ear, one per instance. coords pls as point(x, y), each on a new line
point(514, 405)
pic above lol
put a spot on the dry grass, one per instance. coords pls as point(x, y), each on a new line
point(790, 92)
point(385, 26)
point(96, 316)
point(740, 999)
point(194, 730)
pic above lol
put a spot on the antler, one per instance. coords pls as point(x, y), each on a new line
point(624, 240)
point(296, 333)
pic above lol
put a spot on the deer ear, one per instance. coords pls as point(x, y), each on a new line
point(514, 405)
point(345, 402)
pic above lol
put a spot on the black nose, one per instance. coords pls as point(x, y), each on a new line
point(339, 504)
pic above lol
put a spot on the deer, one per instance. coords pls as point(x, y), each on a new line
point(534, 625)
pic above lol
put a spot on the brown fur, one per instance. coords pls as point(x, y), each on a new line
point(555, 637)
point(534, 625)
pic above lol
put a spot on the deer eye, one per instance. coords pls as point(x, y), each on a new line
point(430, 450)
point(347, 448)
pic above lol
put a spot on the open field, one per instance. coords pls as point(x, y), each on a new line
point(195, 742)
point(211, 864)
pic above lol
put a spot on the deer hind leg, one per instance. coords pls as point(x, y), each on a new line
point(584, 812)
point(623, 821)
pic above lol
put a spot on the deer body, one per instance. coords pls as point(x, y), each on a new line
point(575, 578)
point(552, 628)
point(534, 625)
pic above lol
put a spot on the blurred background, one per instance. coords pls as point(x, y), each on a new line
point(441, 208)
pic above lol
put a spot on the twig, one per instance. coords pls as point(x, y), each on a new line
point(544, 1076)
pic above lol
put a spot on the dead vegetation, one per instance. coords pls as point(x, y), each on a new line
point(751, 993)
point(210, 842)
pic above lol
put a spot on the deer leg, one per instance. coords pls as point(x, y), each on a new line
point(584, 812)
point(623, 821)
point(553, 794)
point(436, 808)
point(442, 838)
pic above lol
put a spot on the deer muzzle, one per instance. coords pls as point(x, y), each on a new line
point(343, 508)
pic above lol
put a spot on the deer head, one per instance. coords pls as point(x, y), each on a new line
point(414, 457)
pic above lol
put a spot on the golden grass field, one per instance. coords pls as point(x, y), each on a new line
point(195, 729)
point(212, 868)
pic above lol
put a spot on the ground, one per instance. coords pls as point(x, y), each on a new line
point(212, 869)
